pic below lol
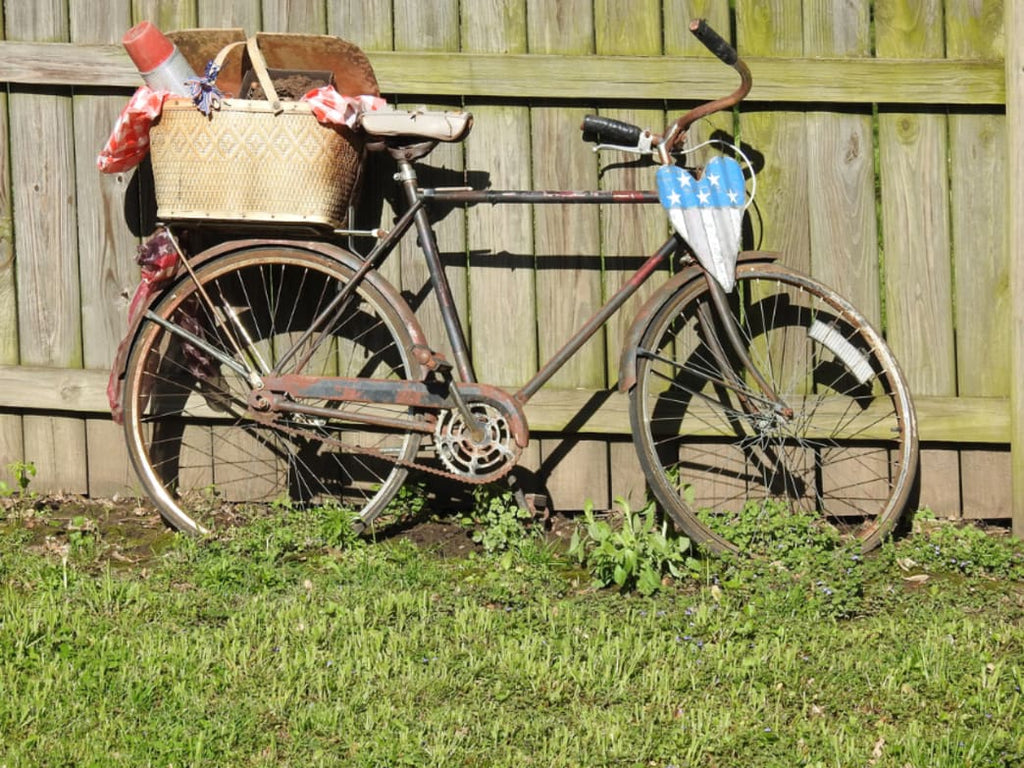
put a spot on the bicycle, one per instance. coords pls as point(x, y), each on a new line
point(287, 370)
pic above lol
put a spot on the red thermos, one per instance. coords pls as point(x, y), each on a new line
point(158, 59)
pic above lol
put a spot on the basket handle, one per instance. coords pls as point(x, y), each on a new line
point(259, 66)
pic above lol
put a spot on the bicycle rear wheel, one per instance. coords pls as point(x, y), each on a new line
point(721, 457)
point(206, 458)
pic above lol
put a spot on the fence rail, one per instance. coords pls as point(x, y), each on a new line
point(608, 78)
point(881, 128)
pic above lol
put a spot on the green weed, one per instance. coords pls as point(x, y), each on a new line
point(22, 472)
point(499, 523)
point(410, 503)
point(639, 554)
point(948, 547)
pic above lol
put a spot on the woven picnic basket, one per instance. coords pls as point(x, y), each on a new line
point(258, 161)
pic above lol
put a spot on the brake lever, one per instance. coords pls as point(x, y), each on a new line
point(644, 147)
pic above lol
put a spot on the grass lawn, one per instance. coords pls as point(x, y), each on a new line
point(293, 644)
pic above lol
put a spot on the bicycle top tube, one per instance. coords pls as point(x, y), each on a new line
point(471, 196)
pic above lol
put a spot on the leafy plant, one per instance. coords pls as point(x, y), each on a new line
point(823, 575)
point(945, 546)
point(410, 501)
point(293, 531)
point(772, 528)
point(83, 539)
point(23, 472)
point(638, 555)
point(500, 523)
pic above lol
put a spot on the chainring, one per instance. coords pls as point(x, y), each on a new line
point(476, 461)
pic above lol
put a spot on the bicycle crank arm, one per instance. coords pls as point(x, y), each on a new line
point(287, 392)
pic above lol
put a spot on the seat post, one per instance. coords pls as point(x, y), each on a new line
point(406, 176)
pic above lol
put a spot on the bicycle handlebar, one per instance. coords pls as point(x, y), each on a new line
point(604, 130)
point(630, 138)
point(727, 54)
point(714, 42)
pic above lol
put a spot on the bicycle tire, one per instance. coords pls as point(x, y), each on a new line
point(717, 454)
point(201, 455)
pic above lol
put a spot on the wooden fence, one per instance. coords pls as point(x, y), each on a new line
point(890, 171)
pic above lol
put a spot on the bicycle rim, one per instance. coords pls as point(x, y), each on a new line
point(728, 464)
point(203, 456)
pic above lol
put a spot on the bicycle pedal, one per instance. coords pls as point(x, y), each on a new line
point(537, 506)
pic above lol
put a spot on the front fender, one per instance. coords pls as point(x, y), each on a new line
point(627, 361)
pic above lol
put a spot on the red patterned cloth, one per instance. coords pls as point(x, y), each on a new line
point(333, 108)
point(158, 262)
point(129, 142)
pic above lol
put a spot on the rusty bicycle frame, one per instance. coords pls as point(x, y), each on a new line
point(282, 392)
point(811, 440)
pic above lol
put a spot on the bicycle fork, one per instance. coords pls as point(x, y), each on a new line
point(729, 323)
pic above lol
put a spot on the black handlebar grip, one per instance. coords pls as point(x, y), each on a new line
point(604, 130)
point(713, 41)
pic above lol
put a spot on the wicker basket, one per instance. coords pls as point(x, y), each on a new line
point(253, 161)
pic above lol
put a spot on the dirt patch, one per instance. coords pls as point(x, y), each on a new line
point(132, 533)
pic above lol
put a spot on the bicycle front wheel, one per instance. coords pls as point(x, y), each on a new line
point(834, 439)
point(204, 456)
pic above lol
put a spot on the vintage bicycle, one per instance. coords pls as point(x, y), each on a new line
point(290, 370)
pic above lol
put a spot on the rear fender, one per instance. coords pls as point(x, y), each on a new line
point(346, 258)
point(628, 360)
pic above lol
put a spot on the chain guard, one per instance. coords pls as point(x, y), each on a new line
point(464, 460)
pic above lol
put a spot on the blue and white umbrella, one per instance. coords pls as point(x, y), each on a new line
point(707, 213)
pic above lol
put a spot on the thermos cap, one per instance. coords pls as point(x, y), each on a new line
point(147, 46)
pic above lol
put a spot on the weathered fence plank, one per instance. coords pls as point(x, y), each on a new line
point(613, 78)
point(779, 215)
point(167, 15)
point(106, 246)
point(502, 292)
point(45, 246)
point(842, 222)
point(245, 14)
point(841, 172)
point(11, 443)
point(628, 232)
point(306, 16)
point(367, 23)
point(977, 146)
point(943, 419)
point(915, 225)
point(568, 252)
point(1014, 30)
point(444, 167)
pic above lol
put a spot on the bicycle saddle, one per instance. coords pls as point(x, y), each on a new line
point(418, 124)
